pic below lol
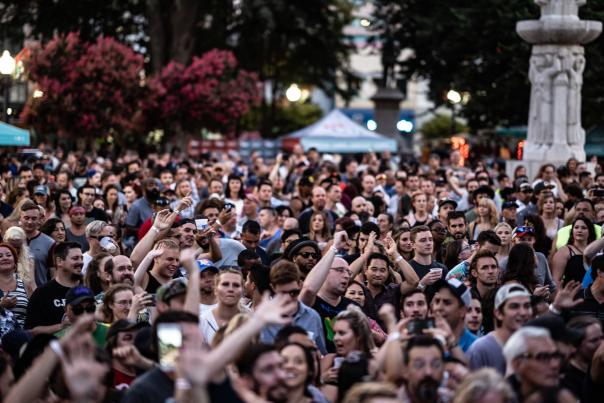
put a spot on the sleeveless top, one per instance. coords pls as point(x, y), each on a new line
point(574, 270)
point(152, 285)
point(20, 309)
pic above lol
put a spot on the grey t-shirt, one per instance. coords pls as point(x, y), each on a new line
point(230, 251)
point(486, 352)
point(542, 272)
point(38, 247)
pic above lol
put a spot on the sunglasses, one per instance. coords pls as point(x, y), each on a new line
point(306, 255)
point(80, 309)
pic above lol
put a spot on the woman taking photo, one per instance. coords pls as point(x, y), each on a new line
point(419, 210)
point(319, 230)
point(567, 263)
point(487, 218)
point(14, 296)
point(121, 303)
point(504, 232)
point(547, 211)
point(235, 193)
point(183, 189)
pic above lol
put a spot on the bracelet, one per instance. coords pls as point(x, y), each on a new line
point(333, 249)
point(55, 346)
point(554, 310)
point(155, 229)
point(421, 287)
point(399, 258)
point(182, 384)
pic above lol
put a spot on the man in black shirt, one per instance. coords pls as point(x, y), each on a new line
point(45, 311)
point(318, 200)
point(428, 270)
point(593, 297)
point(250, 238)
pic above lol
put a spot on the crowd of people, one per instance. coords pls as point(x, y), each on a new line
point(307, 278)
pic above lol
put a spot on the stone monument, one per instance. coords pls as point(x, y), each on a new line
point(556, 69)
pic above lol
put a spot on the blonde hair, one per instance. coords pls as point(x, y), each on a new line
point(493, 215)
point(17, 234)
point(367, 391)
point(15, 215)
point(486, 380)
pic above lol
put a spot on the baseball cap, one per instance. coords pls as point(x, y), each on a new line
point(558, 329)
point(78, 294)
point(509, 204)
point(523, 231)
point(525, 187)
point(174, 288)
point(41, 190)
point(458, 289)
point(124, 325)
point(542, 186)
point(206, 264)
point(508, 291)
point(442, 202)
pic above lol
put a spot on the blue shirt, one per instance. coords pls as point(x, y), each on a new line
point(466, 339)
point(308, 319)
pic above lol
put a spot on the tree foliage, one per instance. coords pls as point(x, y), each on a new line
point(473, 46)
point(90, 89)
point(440, 127)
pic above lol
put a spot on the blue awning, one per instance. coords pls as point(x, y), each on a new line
point(13, 136)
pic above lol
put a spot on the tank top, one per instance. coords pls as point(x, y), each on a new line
point(574, 270)
point(152, 285)
point(20, 309)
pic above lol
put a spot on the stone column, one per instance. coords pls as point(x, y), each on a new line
point(556, 69)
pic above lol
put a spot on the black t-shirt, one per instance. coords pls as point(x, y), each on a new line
point(46, 305)
point(97, 214)
point(423, 269)
point(328, 314)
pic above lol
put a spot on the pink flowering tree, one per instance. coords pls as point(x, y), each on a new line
point(90, 90)
point(211, 93)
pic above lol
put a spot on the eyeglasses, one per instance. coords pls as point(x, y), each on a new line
point(79, 309)
point(291, 293)
point(342, 270)
point(543, 357)
point(306, 255)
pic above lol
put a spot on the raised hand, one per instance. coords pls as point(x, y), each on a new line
point(565, 298)
point(370, 243)
point(275, 310)
point(164, 219)
point(391, 249)
point(340, 240)
point(430, 278)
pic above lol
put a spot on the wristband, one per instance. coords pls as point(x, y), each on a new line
point(554, 310)
point(421, 287)
point(333, 249)
point(399, 258)
point(182, 384)
point(394, 336)
point(155, 229)
point(55, 346)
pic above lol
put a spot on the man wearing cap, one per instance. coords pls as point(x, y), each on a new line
point(479, 194)
point(46, 305)
point(77, 231)
point(534, 363)
point(531, 207)
point(171, 295)
point(41, 195)
point(523, 194)
point(509, 213)
point(207, 275)
point(305, 253)
point(86, 196)
point(451, 301)
point(444, 207)
point(80, 300)
point(512, 310)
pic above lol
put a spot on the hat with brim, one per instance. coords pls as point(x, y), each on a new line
point(206, 264)
point(456, 287)
point(447, 201)
point(78, 294)
point(124, 325)
point(293, 248)
point(172, 289)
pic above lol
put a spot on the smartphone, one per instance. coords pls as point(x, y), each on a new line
point(169, 340)
point(229, 206)
point(598, 193)
point(201, 224)
point(153, 299)
point(337, 362)
point(417, 326)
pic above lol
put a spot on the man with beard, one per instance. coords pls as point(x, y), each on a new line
point(45, 311)
point(414, 305)
point(456, 225)
point(165, 256)
point(423, 358)
point(304, 253)
point(261, 371)
point(121, 271)
point(80, 300)
point(318, 200)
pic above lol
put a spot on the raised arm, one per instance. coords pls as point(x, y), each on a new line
point(592, 250)
point(140, 275)
point(187, 260)
point(315, 279)
point(357, 266)
point(410, 277)
point(163, 221)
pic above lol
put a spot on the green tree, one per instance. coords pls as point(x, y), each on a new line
point(473, 47)
point(441, 126)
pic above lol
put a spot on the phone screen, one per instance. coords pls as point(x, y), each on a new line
point(201, 223)
point(169, 339)
point(417, 326)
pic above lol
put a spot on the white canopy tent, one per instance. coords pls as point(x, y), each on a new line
point(337, 133)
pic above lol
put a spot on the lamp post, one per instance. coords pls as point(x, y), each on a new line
point(7, 69)
point(454, 98)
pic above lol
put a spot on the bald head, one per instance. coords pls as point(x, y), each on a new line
point(338, 278)
point(290, 223)
point(122, 271)
point(359, 205)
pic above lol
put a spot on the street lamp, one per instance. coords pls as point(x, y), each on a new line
point(7, 68)
point(454, 98)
